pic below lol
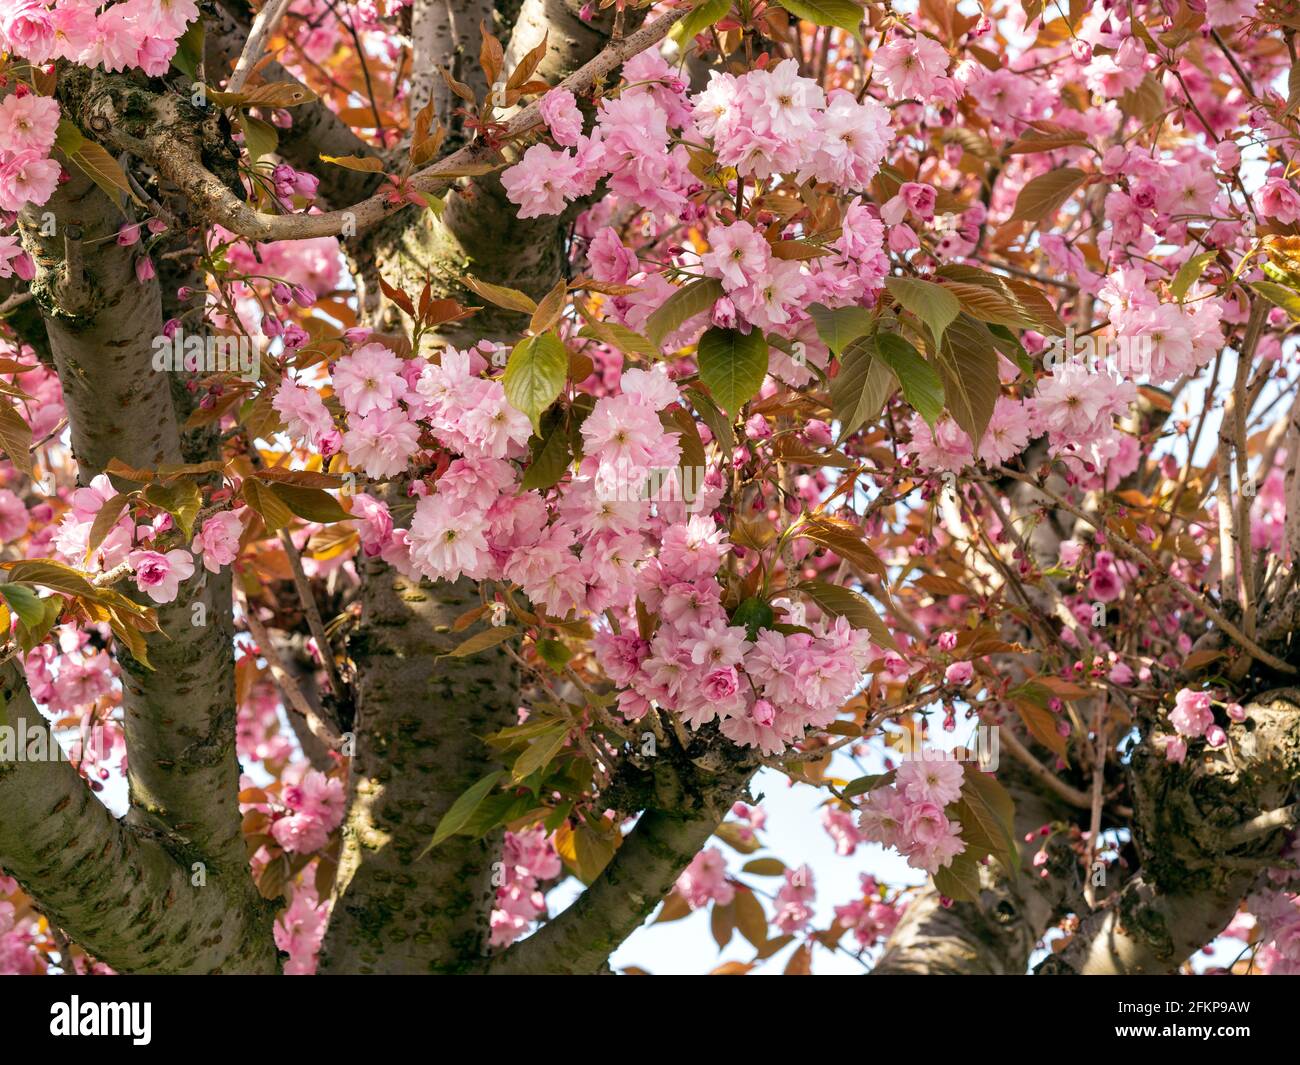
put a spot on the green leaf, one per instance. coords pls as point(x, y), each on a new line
point(496, 810)
point(764, 867)
point(104, 522)
point(260, 138)
point(719, 424)
point(1044, 195)
point(750, 918)
point(538, 754)
point(1030, 702)
point(702, 16)
point(677, 419)
point(1005, 300)
point(189, 50)
point(683, 305)
point(364, 164)
point(961, 880)
point(754, 614)
point(732, 365)
point(103, 169)
point(24, 602)
point(922, 387)
point(16, 438)
point(68, 139)
point(1189, 273)
point(931, 302)
point(846, 603)
point(29, 635)
point(269, 94)
point(509, 298)
point(619, 336)
point(460, 812)
point(870, 782)
point(181, 499)
point(274, 511)
point(550, 459)
point(730, 833)
point(1147, 102)
point(481, 641)
point(842, 13)
point(967, 362)
point(845, 538)
point(1280, 295)
point(57, 577)
point(840, 326)
point(987, 816)
point(554, 653)
point(1009, 345)
point(592, 851)
point(535, 375)
point(311, 504)
point(859, 390)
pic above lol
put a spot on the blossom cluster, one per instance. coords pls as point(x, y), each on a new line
point(529, 861)
point(157, 573)
point(28, 126)
point(310, 808)
point(870, 917)
point(300, 929)
point(1278, 915)
point(705, 880)
point(909, 813)
point(17, 958)
point(117, 36)
point(765, 691)
point(761, 123)
point(586, 549)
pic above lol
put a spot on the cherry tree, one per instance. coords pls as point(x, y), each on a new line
point(450, 450)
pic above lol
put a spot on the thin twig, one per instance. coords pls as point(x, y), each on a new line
point(295, 698)
point(314, 621)
point(1262, 825)
point(1161, 574)
point(255, 47)
point(1040, 772)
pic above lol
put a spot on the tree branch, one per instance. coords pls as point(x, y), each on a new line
point(161, 139)
point(131, 898)
point(179, 716)
point(316, 130)
point(421, 719)
point(1201, 841)
point(644, 869)
point(268, 18)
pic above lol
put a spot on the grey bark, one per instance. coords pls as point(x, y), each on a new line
point(445, 35)
point(420, 725)
point(180, 715)
point(1194, 873)
point(393, 913)
point(685, 808)
point(123, 892)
